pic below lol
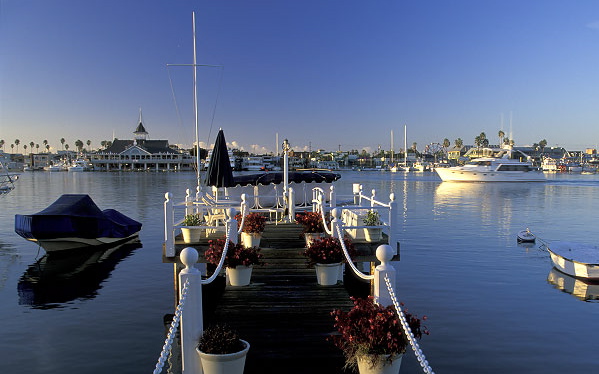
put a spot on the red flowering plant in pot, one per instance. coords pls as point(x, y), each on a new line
point(373, 333)
point(328, 251)
point(311, 222)
point(238, 262)
point(254, 223)
point(237, 254)
point(253, 226)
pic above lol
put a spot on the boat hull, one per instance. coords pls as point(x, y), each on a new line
point(73, 243)
point(575, 259)
point(459, 174)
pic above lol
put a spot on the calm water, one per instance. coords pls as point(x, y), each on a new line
point(490, 305)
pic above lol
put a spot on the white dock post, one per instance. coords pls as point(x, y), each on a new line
point(192, 320)
point(188, 202)
point(357, 189)
point(384, 253)
point(332, 198)
point(291, 205)
point(169, 231)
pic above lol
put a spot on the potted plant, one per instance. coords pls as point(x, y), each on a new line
point(326, 255)
point(253, 227)
point(371, 336)
point(313, 227)
point(222, 351)
point(191, 233)
point(239, 260)
point(372, 234)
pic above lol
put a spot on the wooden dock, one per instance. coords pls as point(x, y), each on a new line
point(284, 314)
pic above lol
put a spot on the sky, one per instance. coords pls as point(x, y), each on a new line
point(324, 74)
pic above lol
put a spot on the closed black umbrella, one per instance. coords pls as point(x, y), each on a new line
point(220, 173)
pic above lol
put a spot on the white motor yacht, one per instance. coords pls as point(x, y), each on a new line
point(499, 166)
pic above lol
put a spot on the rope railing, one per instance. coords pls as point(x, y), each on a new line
point(222, 257)
point(408, 332)
point(350, 262)
point(166, 348)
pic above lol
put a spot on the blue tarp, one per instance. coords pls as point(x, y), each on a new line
point(74, 215)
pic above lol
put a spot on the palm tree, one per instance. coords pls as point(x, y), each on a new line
point(89, 143)
point(543, 144)
point(47, 147)
point(12, 146)
point(2, 144)
point(458, 142)
point(79, 145)
point(17, 142)
point(501, 134)
point(103, 143)
point(66, 146)
point(45, 142)
point(25, 148)
point(37, 148)
point(446, 143)
point(31, 144)
point(62, 142)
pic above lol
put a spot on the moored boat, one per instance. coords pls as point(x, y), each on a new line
point(525, 236)
point(74, 221)
point(576, 259)
point(500, 166)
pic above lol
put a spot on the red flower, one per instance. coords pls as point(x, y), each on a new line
point(237, 254)
point(369, 328)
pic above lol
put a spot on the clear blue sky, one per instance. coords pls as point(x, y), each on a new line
point(323, 73)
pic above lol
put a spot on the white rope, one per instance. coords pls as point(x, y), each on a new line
point(349, 260)
point(220, 263)
point(406, 328)
point(166, 348)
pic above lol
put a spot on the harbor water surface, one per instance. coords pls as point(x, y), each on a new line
point(493, 305)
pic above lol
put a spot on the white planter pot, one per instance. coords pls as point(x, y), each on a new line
point(232, 363)
point(373, 235)
point(382, 366)
point(327, 274)
point(239, 275)
point(311, 236)
point(191, 234)
point(250, 240)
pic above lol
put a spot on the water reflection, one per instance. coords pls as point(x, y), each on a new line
point(581, 289)
point(58, 278)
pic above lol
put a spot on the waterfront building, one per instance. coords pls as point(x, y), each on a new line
point(141, 153)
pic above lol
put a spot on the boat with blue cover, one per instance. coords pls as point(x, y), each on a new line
point(74, 221)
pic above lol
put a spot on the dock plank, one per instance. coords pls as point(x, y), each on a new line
point(284, 314)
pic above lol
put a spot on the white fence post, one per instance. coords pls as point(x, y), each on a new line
point(372, 197)
point(169, 221)
point(232, 226)
point(333, 198)
point(192, 320)
point(291, 205)
point(356, 188)
point(384, 253)
point(188, 202)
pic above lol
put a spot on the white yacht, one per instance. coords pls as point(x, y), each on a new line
point(499, 166)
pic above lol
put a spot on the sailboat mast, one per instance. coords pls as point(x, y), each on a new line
point(195, 99)
point(392, 150)
point(405, 145)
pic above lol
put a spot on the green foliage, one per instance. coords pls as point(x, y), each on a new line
point(372, 218)
point(192, 220)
